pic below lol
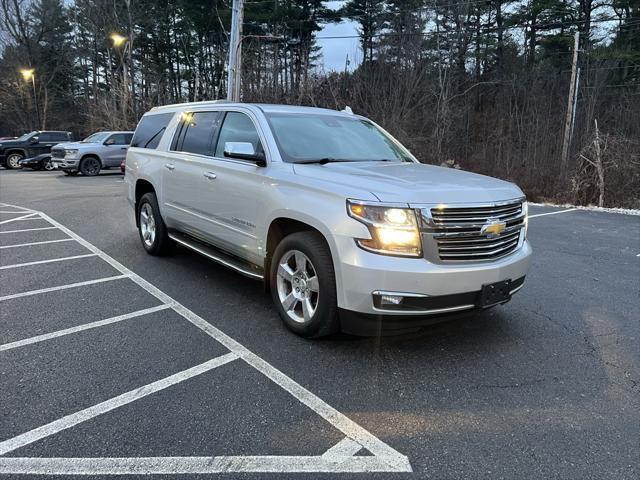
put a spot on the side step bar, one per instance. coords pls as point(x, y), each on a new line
point(218, 256)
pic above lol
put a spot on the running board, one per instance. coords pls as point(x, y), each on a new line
point(218, 256)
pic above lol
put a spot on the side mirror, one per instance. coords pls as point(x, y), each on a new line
point(34, 140)
point(244, 151)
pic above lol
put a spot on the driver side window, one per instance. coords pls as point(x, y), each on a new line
point(238, 127)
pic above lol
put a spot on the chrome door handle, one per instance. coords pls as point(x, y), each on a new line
point(170, 166)
point(210, 176)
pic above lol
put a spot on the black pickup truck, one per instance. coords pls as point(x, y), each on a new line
point(30, 145)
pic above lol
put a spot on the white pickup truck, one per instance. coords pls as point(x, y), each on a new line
point(340, 221)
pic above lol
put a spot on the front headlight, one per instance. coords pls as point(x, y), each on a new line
point(394, 230)
point(70, 153)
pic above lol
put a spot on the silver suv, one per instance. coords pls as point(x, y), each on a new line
point(97, 151)
point(341, 223)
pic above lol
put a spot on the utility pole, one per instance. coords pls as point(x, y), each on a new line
point(235, 52)
point(571, 104)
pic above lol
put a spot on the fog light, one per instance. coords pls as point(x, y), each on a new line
point(390, 300)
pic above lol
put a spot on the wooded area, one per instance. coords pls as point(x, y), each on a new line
point(478, 84)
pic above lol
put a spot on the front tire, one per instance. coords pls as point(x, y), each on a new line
point(303, 285)
point(90, 166)
point(13, 161)
point(153, 232)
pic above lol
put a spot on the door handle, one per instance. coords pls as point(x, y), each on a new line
point(170, 166)
point(210, 176)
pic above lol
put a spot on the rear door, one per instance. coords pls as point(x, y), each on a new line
point(185, 179)
point(115, 149)
point(46, 140)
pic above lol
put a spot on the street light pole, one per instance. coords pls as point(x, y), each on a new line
point(29, 74)
point(121, 41)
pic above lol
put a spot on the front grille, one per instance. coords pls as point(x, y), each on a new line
point(57, 153)
point(457, 231)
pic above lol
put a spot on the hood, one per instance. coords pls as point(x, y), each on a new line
point(70, 144)
point(413, 183)
point(8, 143)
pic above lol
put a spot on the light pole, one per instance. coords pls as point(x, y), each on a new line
point(118, 42)
point(30, 74)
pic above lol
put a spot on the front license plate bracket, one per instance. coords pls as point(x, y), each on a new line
point(494, 293)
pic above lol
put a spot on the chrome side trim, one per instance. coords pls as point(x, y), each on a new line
point(216, 258)
point(400, 294)
point(433, 311)
point(209, 219)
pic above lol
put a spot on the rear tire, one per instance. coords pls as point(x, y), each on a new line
point(13, 161)
point(303, 285)
point(48, 165)
point(90, 166)
point(151, 228)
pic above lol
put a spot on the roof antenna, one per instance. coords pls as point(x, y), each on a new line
point(348, 110)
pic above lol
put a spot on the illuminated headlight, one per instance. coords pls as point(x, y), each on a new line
point(394, 231)
point(71, 153)
point(525, 211)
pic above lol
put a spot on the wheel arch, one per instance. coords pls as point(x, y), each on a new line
point(282, 226)
point(142, 187)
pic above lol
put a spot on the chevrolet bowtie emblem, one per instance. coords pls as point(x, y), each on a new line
point(493, 228)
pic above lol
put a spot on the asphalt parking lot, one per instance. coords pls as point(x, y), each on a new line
point(115, 362)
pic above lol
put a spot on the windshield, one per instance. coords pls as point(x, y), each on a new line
point(96, 137)
point(26, 136)
point(307, 137)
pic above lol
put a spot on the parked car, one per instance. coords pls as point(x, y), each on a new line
point(39, 162)
point(97, 151)
point(340, 221)
point(30, 145)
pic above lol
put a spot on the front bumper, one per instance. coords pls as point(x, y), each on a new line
point(434, 289)
point(64, 164)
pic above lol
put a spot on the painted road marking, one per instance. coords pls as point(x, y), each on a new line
point(344, 448)
point(190, 465)
point(30, 229)
point(16, 219)
point(553, 213)
point(37, 243)
point(51, 260)
point(61, 287)
point(111, 404)
point(81, 328)
point(383, 458)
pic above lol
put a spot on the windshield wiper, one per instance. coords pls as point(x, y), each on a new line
point(325, 160)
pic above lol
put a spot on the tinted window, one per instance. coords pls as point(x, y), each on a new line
point(150, 130)
point(198, 133)
point(238, 127)
point(52, 136)
point(120, 139)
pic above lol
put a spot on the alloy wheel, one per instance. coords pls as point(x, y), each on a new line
point(48, 165)
point(147, 225)
point(13, 160)
point(91, 166)
point(298, 286)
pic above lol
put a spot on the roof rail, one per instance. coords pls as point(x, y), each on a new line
point(187, 104)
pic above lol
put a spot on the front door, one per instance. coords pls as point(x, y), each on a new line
point(115, 149)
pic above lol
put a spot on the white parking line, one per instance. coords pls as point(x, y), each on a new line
point(37, 243)
point(344, 448)
point(61, 287)
point(383, 458)
point(17, 219)
point(81, 328)
point(111, 404)
point(190, 465)
point(30, 229)
point(553, 213)
point(51, 260)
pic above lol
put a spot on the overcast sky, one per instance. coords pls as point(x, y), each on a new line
point(335, 51)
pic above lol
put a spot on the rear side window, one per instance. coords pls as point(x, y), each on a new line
point(198, 133)
point(150, 130)
point(120, 139)
point(238, 127)
point(53, 136)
